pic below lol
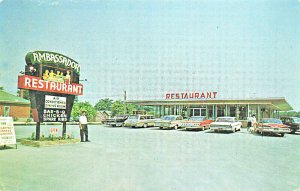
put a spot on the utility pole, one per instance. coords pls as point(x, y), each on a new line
point(125, 110)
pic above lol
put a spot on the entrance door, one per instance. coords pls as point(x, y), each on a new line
point(198, 112)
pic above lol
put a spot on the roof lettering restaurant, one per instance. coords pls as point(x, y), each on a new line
point(208, 104)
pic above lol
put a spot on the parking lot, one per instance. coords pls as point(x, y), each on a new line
point(151, 159)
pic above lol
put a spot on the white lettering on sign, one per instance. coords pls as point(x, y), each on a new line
point(7, 131)
point(51, 115)
point(36, 83)
point(55, 102)
point(56, 58)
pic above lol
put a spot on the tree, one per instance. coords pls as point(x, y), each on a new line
point(25, 94)
point(83, 106)
point(104, 104)
point(118, 107)
point(130, 108)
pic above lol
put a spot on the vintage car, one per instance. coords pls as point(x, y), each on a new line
point(196, 123)
point(117, 121)
point(140, 121)
point(272, 126)
point(292, 122)
point(226, 124)
point(169, 122)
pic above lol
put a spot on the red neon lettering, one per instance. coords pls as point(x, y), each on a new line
point(215, 93)
point(202, 95)
point(208, 95)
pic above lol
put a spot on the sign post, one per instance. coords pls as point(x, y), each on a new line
point(53, 82)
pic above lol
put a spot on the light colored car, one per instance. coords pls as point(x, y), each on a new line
point(226, 124)
point(117, 121)
point(196, 123)
point(272, 126)
point(140, 121)
point(170, 122)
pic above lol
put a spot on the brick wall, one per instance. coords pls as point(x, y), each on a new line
point(16, 111)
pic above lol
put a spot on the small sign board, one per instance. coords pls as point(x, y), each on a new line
point(54, 115)
point(53, 131)
point(7, 131)
point(55, 102)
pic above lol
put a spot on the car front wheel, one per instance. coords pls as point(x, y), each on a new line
point(293, 131)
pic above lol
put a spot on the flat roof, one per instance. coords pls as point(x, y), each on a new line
point(278, 103)
point(7, 98)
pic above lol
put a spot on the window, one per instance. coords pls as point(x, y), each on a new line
point(6, 111)
point(220, 111)
point(232, 111)
point(243, 114)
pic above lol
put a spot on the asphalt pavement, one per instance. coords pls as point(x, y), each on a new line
point(150, 159)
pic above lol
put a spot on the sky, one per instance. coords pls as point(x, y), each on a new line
point(241, 49)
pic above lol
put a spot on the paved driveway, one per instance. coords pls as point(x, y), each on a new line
point(150, 159)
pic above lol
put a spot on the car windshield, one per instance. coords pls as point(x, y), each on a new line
point(171, 118)
point(133, 117)
point(225, 119)
point(297, 120)
point(277, 121)
point(196, 118)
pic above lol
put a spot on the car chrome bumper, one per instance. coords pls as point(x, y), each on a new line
point(193, 127)
point(220, 128)
point(279, 130)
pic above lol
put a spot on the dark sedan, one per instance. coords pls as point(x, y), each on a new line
point(292, 122)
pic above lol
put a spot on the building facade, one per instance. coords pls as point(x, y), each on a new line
point(14, 106)
point(213, 108)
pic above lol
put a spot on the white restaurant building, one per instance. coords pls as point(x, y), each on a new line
point(207, 104)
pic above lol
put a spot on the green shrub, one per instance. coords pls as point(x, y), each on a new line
point(33, 136)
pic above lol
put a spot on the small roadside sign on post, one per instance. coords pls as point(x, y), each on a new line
point(7, 132)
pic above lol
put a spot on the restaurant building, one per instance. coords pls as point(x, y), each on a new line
point(207, 104)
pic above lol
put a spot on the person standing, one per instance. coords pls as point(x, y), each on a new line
point(253, 121)
point(83, 125)
point(249, 122)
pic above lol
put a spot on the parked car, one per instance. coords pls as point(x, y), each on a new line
point(196, 123)
point(117, 121)
point(170, 122)
point(292, 122)
point(140, 121)
point(272, 126)
point(226, 124)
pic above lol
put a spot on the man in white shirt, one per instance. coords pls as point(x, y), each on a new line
point(253, 121)
point(249, 122)
point(83, 127)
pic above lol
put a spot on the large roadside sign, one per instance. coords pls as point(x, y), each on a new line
point(53, 82)
point(7, 131)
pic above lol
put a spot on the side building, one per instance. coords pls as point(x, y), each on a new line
point(14, 106)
